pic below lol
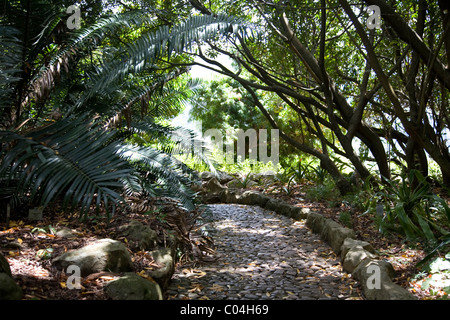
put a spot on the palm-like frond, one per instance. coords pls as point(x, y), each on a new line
point(164, 175)
point(171, 99)
point(149, 47)
point(172, 140)
point(81, 161)
point(89, 37)
point(148, 94)
point(73, 157)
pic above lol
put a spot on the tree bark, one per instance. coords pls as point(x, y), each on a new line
point(410, 127)
point(444, 5)
point(409, 36)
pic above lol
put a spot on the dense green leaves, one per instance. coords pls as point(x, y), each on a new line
point(10, 49)
point(73, 157)
point(94, 105)
point(418, 211)
point(148, 48)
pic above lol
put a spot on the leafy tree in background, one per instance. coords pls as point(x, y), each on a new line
point(386, 88)
point(225, 105)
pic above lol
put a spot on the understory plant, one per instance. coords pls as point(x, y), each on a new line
point(83, 111)
point(412, 208)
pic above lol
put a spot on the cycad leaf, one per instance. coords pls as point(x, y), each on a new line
point(76, 161)
point(149, 47)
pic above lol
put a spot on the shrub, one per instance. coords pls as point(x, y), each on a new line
point(411, 205)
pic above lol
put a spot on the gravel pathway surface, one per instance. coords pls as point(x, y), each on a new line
point(263, 256)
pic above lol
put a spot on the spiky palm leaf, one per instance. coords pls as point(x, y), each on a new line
point(172, 140)
point(145, 51)
point(83, 162)
point(76, 45)
point(74, 158)
point(164, 176)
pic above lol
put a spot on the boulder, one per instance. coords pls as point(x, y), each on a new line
point(4, 266)
point(66, 233)
point(224, 177)
point(139, 236)
point(214, 186)
point(229, 196)
point(102, 255)
point(337, 237)
point(351, 243)
point(279, 207)
point(328, 228)
point(133, 287)
point(211, 198)
point(9, 289)
point(205, 175)
point(251, 183)
point(315, 222)
point(196, 187)
point(269, 176)
point(354, 257)
point(375, 277)
point(235, 184)
point(335, 234)
point(273, 204)
point(251, 197)
point(298, 213)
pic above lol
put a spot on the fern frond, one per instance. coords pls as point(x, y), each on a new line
point(72, 157)
point(170, 177)
point(149, 47)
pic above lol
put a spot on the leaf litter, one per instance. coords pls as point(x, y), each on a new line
point(29, 247)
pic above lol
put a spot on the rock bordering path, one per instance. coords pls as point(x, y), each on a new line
point(374, 275)
point(263, 256)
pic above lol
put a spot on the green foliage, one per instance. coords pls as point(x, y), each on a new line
point(73, 156)
point(445, 243)
point(346, 219)
point(10, 49)
point(323, 192)
point(363, 199)
point(245, 179)
point(242, 167)
point(411, 205)
point(223, 104)
point(146, 50)
point(114, 73)
point(290, 187)
point(301, 172)
point(49, 229)
point(320, 174)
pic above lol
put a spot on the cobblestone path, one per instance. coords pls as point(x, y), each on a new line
point(263, 256)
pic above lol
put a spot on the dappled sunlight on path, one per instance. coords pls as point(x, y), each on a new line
point(263, 256)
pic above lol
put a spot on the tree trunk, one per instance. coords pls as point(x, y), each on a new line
point(444, 5)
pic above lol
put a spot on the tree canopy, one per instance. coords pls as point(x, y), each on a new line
point(336, 87)
point(386, 88)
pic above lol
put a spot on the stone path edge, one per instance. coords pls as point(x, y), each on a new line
point(358, 257)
